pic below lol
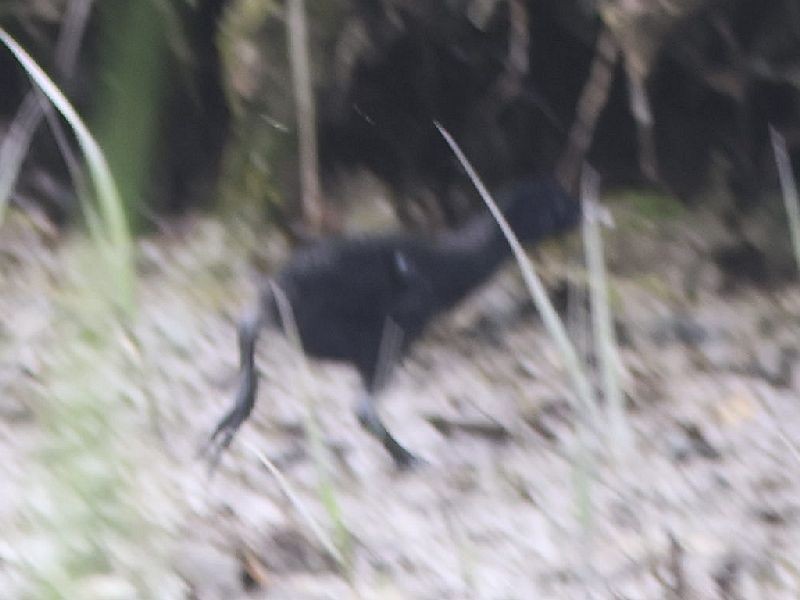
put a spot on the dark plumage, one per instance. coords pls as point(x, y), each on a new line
point(366, 300)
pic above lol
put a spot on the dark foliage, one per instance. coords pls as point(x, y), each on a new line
point(427, 62)
point(191, 114)
point(714, 79)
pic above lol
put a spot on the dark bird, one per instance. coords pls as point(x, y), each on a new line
point(364, 301)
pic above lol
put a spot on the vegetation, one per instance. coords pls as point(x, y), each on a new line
point(606, 458)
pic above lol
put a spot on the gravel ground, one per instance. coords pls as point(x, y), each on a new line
point(521, 496)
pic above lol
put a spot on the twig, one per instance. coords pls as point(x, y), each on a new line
point(643, 117)
point(301, 509)
point(71, 161)
point(517, 63)
point(789, 188)
point(320, 453)
point(313, 431)
point(679, 587)
point(18, 139)
point(592, 101)
point(73, 26)
point(311, 196)
point(15, 146)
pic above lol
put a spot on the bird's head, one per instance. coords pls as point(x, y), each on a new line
point(538, 208)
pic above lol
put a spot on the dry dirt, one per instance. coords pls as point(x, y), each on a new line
point(522, 497)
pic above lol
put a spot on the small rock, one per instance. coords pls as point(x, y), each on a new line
point(210, 573)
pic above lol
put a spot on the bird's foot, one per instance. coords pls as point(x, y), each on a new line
point(227, 427)
point(222, 436)
point(404, 459)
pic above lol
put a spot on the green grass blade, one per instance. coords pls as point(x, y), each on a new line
point(605, 341)
point(112, 216)
point(789, 188)
point(554, 325)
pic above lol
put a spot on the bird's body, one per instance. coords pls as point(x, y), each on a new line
point(365, 300)
point(349, 288)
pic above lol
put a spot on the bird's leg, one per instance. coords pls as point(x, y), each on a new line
point(369, 418)
point(367, 410)
point(227, 427)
